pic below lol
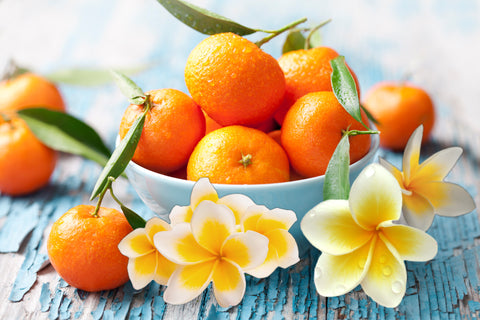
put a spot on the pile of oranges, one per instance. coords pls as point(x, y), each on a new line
point(251, 119)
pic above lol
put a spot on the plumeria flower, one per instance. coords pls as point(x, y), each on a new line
point(204, 190)
point(274, 224)
point(424, 191)
point(145, 263)
point(209, 249)
point(359, 242)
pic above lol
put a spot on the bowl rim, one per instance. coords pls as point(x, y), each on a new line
point(375, 141)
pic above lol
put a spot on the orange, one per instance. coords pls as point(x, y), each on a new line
point(173, 126)
point(25, 163)
point(83, 248)
point(29, 90)
point(238, 155)
point(306, 71)
point(400, 109)
point(312, 129)
point(233, 80)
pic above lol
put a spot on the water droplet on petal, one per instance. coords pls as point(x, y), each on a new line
point(369, 172)
point(387, 271)
point(397, 286)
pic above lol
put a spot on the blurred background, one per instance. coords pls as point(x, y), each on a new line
point(432, 43)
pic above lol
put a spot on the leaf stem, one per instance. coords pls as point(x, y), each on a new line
point(312, 31)
point(352, 133)
point(102, 194)
point(113, 195)
point(274, 33)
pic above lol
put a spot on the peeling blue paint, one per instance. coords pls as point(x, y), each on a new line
point(18, 225)
point(45, 298)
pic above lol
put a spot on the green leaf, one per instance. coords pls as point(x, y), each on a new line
point(66, 133)
point(294, 41)
point(88, 76)
point(135, 220)
point(315, 39)
point(121, 156)
point(203, 20)
point(337, 182)
point(129, 88)
point(345, 89)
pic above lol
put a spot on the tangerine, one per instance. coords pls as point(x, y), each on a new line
point(306, 71)
point(238, 155)
point(400, 109)
point(29, 90)
point(233, 80)
point(25, 163)
point(312, 130)
point(173, 126)
point(83, 248)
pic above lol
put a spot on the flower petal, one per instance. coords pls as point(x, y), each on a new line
point(398, 175)
point(386, 279)
point(248, 250)
point(411, 154)
point(417, 211)
point(375, 197)
point(276, 219)
point(202, 190)
point(228, 283)
point(251, 217)
point(438, 165)
point(164, 269)
point(211, 224)
point(412, 244)
point(282, 252)
point(188, 282)
point(448, 199)
point(330, 227)
point(180, 247)
point(155, 225)
point(337, 275)
point(141, 270)
point(180, 214)
point(238, 203)
point(136, 244)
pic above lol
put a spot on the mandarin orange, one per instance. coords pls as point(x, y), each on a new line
point(173, 126)
point(25, 163)
point(400, 109)
point(312, 129)
point(29, 90)
point(83, 248)
point(238, 155)
point(233, 80)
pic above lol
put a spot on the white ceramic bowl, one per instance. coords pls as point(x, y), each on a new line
point(161, 192)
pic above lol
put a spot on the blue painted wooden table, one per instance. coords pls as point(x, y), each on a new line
point(435, 43)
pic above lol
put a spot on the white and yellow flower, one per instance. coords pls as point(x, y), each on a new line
point(209, 249)
point(273, 224)
point(359, 242)
point(424, 191)
point(204, 190)
point(145, 263)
